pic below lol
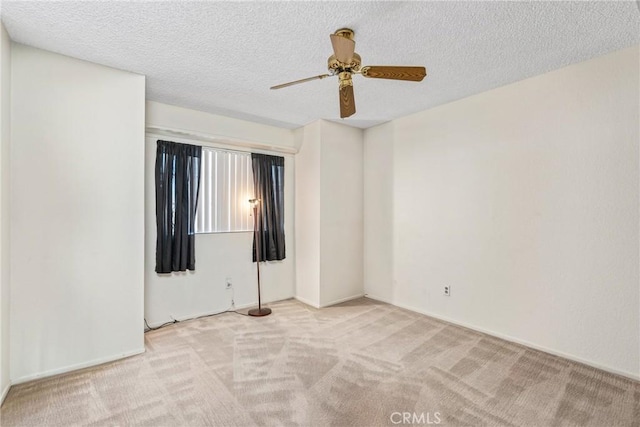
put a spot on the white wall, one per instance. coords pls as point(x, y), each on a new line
point(524, 200)
point(378, 208)
point(219, 255)
point(308, 214)
point(77, 212)
point(329, 217)
point(5, 135)
point(170, 116)
point(341, 216)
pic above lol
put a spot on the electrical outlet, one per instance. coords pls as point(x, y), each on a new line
point(229, 284)
point(447, 291)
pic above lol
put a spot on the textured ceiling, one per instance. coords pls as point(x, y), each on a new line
point(222, 57)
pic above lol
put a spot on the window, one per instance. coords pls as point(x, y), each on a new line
point(226, 185)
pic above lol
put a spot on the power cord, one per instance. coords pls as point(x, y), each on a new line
point(173, 321)
point(149, 328)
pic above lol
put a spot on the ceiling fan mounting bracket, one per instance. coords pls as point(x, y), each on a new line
point(345, 32)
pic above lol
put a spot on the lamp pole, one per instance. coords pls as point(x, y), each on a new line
point(259, 312)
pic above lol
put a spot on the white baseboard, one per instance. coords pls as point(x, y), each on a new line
point(307, 302)
point(341, 300)
point(196, 315)
point(210, 313)
point(328, 304)
point(4, 393)
point(525, 343)
point(75, 367)
point(253, 304)
point(381, 299)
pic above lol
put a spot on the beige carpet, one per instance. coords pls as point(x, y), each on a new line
point(361, 363)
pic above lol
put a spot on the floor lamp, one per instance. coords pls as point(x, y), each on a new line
point(258, 312)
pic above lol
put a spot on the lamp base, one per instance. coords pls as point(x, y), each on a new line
point(259, 312)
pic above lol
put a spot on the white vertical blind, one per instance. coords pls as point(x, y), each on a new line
point(226, 185)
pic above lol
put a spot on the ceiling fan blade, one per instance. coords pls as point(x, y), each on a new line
point(343, 48)
point(414, 74)
point(308, 79)
point(347, 102)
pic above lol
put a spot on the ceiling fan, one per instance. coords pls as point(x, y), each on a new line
point(345, 62)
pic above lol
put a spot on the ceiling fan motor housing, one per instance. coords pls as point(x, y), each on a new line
point(336, 67)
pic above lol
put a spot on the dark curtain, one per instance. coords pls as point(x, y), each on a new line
point(177, 185)
point(268, 182)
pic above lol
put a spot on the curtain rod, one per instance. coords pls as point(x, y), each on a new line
point(217, 139)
